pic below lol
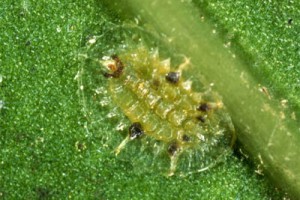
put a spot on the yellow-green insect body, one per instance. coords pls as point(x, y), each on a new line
point(191, 128)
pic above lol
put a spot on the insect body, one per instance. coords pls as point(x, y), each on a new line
point(163, 107)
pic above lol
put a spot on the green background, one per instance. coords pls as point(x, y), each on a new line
point(41, 118)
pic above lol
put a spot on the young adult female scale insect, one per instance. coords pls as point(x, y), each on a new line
point(192, 128)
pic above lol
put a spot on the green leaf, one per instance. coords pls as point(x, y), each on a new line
point(48, 152)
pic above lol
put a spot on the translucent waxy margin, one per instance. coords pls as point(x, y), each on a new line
point(189, 160)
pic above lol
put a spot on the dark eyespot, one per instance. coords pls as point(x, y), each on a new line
point(135, 130)
point(203, 107)
point(172, 149)
point(117, 69)
point(173, 77)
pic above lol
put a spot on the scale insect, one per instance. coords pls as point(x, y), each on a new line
point(191, 129)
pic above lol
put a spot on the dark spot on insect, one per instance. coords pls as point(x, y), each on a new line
point(290, 21)
point(116, 69)
point(173, 77)
point(201, 118)
point(204, 107)
point(172, 148)
point(135, 130)
point(186, 138)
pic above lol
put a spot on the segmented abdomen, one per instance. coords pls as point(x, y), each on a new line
point(166, 114)
point(145, 102)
